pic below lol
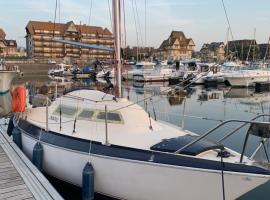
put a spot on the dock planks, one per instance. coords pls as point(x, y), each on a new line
point(12, 185)
point(19, 178)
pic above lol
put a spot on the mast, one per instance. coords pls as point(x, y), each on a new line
point(227, 41)
point(266, 51)
point(117, 41)
point(254, 45)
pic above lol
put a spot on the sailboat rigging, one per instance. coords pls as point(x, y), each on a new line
point(134, 156)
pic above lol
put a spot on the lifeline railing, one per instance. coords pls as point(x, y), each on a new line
point(251, 121)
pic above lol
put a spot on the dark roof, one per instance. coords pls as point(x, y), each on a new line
point(175, 35)
point(61, 27)
point(245, 42)
point(2, 34)
point(11, 43)
point(212, 46)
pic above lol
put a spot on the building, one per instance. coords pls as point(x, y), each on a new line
point(264, 51)
point(177, 46)
point(214, 51)
point(242, 49)
point(137, 53)
point(8, 48)
point(2, 42)
point(11, 47)
point(39, 44)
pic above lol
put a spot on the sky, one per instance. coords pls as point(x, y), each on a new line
point(202, 20)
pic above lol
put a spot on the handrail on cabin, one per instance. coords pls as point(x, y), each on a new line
point(251, 121)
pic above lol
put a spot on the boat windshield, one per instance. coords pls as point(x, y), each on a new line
point(87, 114)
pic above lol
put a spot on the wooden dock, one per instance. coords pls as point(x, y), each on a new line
point(19, 178)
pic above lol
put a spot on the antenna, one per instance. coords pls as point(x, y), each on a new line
point(254, 44)
point(90, 12)
point(59, 11)
point(266, 51)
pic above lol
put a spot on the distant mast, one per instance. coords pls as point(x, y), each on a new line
point(117, 41)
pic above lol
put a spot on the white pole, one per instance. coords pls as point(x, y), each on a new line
point(47, 114)
point(117, 38)
point(183, 113)
point(106, 126)
point(56, 92)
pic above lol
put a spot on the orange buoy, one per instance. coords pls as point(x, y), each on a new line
point(18, 99)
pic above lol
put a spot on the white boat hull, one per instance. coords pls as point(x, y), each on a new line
point(6, 78)
point(133, 180)
point(245, 81)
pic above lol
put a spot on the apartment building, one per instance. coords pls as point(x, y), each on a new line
point(39, 44)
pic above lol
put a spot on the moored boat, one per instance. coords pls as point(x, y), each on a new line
point(7, 74)
point(137, 150)
point(133, 155)
point(246, 78)
point(61, 70)
point(158, 75)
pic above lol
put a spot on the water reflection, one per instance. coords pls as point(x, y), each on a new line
point(177, 95)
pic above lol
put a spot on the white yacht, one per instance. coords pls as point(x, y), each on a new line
point(246, 78)
point(141, 69)
point(61, 70)
point(110, 72)
point(7, 74)
point(195, 71)
point(145, 64)
point(5, 105)
point(216, 76)
point(159, 74)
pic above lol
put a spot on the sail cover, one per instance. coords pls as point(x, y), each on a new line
point(85, 45)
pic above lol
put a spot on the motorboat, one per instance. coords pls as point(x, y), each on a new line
point(158, 75)
point(5, 106)
point(84, 72)
point(139, 70)
point(106, 72)
point(145, 64)
point(216, 75)
point(166, 62)
point(193, 72)
point(7, 74)
point(61, 70)
point(246, 78)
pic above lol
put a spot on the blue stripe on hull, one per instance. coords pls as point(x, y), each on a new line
point(116, 151)
point(2, 93)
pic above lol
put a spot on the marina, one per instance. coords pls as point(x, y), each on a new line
point(85, 116)
point(198, 100)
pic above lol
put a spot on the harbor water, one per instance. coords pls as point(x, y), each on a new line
point(196, 109)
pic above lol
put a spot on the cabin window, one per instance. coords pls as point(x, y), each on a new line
point(86, 114)
point(111, 117)
point(66, 110)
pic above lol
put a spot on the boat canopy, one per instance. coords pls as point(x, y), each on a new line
point(173, 144)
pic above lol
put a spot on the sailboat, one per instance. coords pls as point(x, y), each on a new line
point(133, 155)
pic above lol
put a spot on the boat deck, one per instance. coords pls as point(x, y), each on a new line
point(19, 178)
